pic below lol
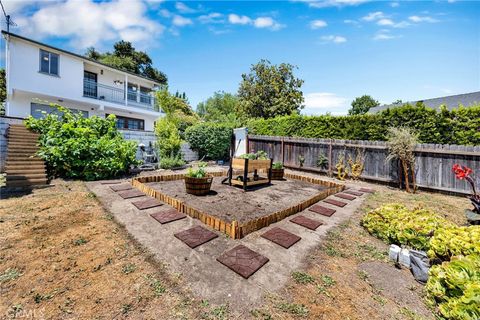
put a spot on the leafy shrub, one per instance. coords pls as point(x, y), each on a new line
point(457, 126)
point(396, 224)
point(168, 138)
point(453, 241)
point(171, 162)
point(199, 172)
point(210, 140)
point(83, 148)
point(259, 155)
point(455, 286)
point(277, 165)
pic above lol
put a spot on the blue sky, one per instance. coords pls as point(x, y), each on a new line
point(343, 48)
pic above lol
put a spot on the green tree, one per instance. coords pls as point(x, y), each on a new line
point(3, 91)
point(221, 107)
point(269, 91)
point(362, 104)
point(126, 57)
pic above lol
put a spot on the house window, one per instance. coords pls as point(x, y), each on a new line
point(49, 62)
point(130, 123)
point(38, 111)
point(145, 95)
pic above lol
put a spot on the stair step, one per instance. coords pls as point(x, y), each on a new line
point(17, 148)
point(26, 176)
point(23, 160)
point(26, 183)
point(23, 140)
point(24, 170)
point(23, 143)
point(20, 152)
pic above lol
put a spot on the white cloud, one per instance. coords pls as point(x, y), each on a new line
point(402, 24)
point(374, 16)
point(180, 21)
point(334, 39)
point(331, 3)
point(213, 17)
point(317, 24)
point(89, 23)
point(236, 19)
point(183, 8)
point(267, 22)
point(418, 19)
point(350, 21)
point(385, 22)
point(394, 4)
point(321, 102)
point(384, 34)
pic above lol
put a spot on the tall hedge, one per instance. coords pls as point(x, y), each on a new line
point(210, 140)
point(458, 126)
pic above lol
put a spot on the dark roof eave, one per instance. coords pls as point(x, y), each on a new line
point(77, 55)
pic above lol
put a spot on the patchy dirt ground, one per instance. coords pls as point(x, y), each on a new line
point(232, 203)
point(63, 257)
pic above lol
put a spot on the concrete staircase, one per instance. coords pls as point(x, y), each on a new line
point(23, 168)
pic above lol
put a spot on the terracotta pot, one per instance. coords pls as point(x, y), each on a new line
point(277, 174)
point(198, 186)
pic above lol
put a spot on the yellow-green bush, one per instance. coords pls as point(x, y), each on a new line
point(453, 241)
point(455, 287)
point(396, 224)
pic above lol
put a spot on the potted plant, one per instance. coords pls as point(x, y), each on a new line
point(277, 171)
point(197, 181)
point(463, 173)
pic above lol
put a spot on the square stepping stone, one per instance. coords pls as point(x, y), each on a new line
point(146, 204)
point(367, 190)
point(133, 193)
point(111, 182)
point(242, 260)
point(168, 216)
point(195, 236)
point(355, 193)
point(281, 237)
point(306, 222)
point(121, 187)
point(335, 202)
point(345, 196)
point(322, 210)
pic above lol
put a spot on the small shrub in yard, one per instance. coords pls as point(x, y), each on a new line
point(199, 172)
point(210, 140)
point(277, 165)
point(455, 287)
point(171, 162)
point(453, 241)
point(396, 224)
point(83, 148)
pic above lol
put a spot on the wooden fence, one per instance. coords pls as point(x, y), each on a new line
point(433, 161)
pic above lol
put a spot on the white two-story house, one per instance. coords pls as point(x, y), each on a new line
point(38, 74)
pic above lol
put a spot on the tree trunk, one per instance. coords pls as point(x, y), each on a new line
point(405, 174)
point(414, 182)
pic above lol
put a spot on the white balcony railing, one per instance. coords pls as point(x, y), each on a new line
point(95, 90)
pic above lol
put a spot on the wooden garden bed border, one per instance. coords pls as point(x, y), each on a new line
point(235, 230)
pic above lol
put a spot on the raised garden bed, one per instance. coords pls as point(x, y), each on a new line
point(233, 211)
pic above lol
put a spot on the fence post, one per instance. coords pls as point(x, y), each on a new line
point(330, 158)
point(283, 150)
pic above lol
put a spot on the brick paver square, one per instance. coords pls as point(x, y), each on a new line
point(345, 196)
point(335, 202)
point(195, 236)
point(322, 210)
point(121, 187)
point(111, 182)
point(133, 193)
point(355, 193)
point(306, 222)
point(242, 260)
point(281, 237)
point(168, 216)
point(367, 190)
point(147, 204)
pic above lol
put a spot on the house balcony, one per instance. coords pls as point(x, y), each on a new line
point(130, 98)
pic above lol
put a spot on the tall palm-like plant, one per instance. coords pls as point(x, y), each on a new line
point(401, 145)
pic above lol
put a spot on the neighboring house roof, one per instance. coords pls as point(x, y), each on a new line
point(76, 55)
point(451, 102)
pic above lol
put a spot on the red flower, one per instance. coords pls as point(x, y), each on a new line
point(461, 172)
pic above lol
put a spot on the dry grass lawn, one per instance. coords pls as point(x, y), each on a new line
point(63, 257)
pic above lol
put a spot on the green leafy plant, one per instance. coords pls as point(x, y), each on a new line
point(171, 162)
point(277, 165)
point(301, 160)
point(322, 161)
point(199, 172)
point(210, 140)
point(401, 144)
point(259, 155)
point(453, 241)
point(455, 287)
point(168, 138)
point(250, 156)
point(82, 148)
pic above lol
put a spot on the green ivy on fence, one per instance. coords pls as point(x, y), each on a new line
point(458, 126)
